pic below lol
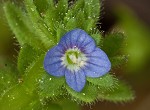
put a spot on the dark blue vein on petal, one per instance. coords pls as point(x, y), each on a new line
point(94, 72)
point(75, 80)
point(53, 63)
point(96, 64)
point(59, 71)
point(79, 36)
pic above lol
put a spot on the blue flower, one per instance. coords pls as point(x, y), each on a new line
point(76, 57)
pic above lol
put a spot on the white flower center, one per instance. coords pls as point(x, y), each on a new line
point(74, 59)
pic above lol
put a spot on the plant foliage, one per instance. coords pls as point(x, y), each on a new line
point(38, 26)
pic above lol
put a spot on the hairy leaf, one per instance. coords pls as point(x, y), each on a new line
point(40, 26)
point(66, 104)
point(42, 5)
point(92, 12)
point(87, 95)
point(105, 82)
point(71, 24)
point(27, 55)
point(50, 86)
point(60, 32)
point(97, 37)
point(8, 77)
point(113, 43)
point(33, 74)
point(21, 26)
point(16, 98)
point(122, 93)
point(62, 7)
point(118, 60)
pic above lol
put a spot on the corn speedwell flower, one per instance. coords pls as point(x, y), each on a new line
point(76, 57)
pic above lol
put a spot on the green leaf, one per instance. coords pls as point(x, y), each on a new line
point(17, 98)
point(34, 73)
point(71, 24)
point(8, 77)
point(21, 26)
point(60, 32)
point(51, 18)
point(91, 12)
point(66, 104)
point(81, 15)
point(62, 7)
point(23, 94)
point(80, 19)
point(55, 15)
point(52, 106)
point(73, 11)
point(97, 37)
point(42, 5)
point(60, 104)
point(50, 86)
point(87, 95)
point(26, 56)
point(122, 93)
point(92, 9)
point(113, 43)
point(78, 5)
point(40, 26)
point(105, 82)
point(117, 61)
point(89, 25)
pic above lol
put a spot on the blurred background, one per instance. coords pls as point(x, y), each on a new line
point(131, 17)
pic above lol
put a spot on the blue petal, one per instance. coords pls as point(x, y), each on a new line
point(76, 80)
point(52, 62)
point(54, 52)
point(97, 53)
point(89, 47)
point(78, 38)
point(98, 64)
point(69, 39)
